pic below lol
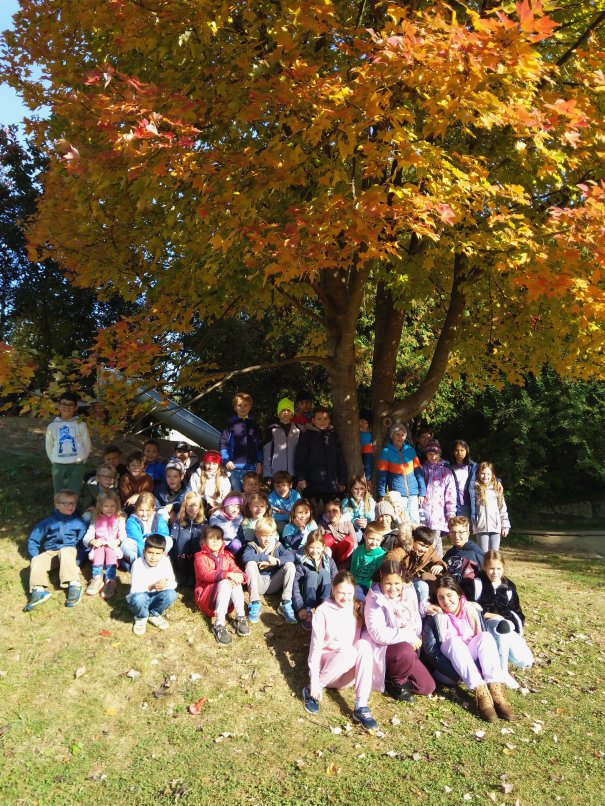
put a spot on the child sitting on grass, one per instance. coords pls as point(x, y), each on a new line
point(153, 587)
point(313, 578)
point(53, 543)
point(256, 507)
point(338, 656)
point(366, 559)
point(104, 536)
point(186, 532)
point(218, 585)
point(143, 522)
point(282, 498)
point(269, 569)
point(296, 533)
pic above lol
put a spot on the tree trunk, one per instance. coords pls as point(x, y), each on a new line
point(341, 294)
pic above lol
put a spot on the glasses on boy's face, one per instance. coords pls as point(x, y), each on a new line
point(69, 503)
point(458, 532)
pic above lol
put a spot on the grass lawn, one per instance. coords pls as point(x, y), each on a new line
point(75, 727)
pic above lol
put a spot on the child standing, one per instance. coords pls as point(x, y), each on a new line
point(490, 522)
point(366, 442)
point(67, 445)
point(241, 443)
point(359, 506)
point(186, 533)
point(393, 627)
point(338, 656)
point(135, 481)
point(282, 498)
point(465, 476)
point(53, 543)
point(440, 499)
point(399, 470)
point(153, 466)
point(280, 441)
point(229, 517)
point(269, 569)
point(303, 403)
point(366, 559)
point(502, 612)
point(211, 481)
point(105, 534)
point(153, 587)
point(320, 464)
point(338, 532)
point(313, 578)
point(295, 534)
point(457, 635)
point(218, 585)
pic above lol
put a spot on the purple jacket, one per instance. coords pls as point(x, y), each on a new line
point(241, 442)
point(440, 497)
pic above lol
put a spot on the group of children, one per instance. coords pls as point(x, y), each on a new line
point(387, 608)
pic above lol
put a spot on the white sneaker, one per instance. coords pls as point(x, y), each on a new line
point(140, 626)
point(159, 622)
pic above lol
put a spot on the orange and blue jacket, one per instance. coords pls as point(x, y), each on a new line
point(400, 471)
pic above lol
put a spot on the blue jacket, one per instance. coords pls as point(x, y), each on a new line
point(255, 554)
point(241, 442)
point(400, 471)
point(164, 495)
point(327, 566)
point(56, 532)
point(136, 531)
point(282, 503)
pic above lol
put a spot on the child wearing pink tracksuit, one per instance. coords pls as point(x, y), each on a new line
point(338, 656)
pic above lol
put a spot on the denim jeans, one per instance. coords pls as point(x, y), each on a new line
point(150, 603)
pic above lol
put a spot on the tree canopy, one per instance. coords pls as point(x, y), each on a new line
point(439, 164)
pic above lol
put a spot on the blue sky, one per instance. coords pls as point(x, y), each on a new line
point(11, 108)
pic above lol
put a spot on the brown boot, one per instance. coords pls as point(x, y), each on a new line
point(499, 697)
point(485, 706)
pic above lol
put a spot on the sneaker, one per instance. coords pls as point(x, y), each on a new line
point(287, 612)
point(36, 597)
point(364, 717)
point(74, 594)
point(254, 612)
point(159, 621)
point(221, 634)
point(109, 588)
point(241, 626)
point(397, 692)
point(311, 705)
point(307, 624)
point(140, 626)
point(94, 586)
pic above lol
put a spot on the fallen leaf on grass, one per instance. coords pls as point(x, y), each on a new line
point(506, 787)
point(300, 763)
point(97, 777)
point(467, 796)
point(195, 676)
point(80, 671)
point(132, 673)
point(111, 711)
point(336, 731)
point(395, 720)
point(76, 749)
point(416, 756)
point(196, 707)
point(447, 789)
point(392, 754)
point(105, 633)
point(222, 737)
point(479, 735)
point(536, 727)
point(505, 731)
point(332, 770)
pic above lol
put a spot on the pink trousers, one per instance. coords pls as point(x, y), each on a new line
point(349, 667)
point(480, 649)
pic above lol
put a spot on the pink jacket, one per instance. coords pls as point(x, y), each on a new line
point(335, 629)
point(440, 499)
point(108, 529)
point(465, 624)
point(380, 630)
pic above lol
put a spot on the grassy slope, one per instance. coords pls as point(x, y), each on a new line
point(107, 737)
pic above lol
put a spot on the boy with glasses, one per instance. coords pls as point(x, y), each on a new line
point(53, 543)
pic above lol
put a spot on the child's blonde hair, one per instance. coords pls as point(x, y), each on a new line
point(316, 536)
point(302, 502)
point(481, 489)
point(108, 496)
point(266, 525)
point(360, 479)
point(251, 499)
point(187, 499)
point(145, 498)
point(493, 556)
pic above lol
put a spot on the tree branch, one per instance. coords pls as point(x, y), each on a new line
point(417, 401)
point(581, 39)
point(299, 306)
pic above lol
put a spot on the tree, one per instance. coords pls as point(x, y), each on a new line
point(433, 158)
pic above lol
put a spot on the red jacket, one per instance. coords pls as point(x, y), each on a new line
point(209, 571)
